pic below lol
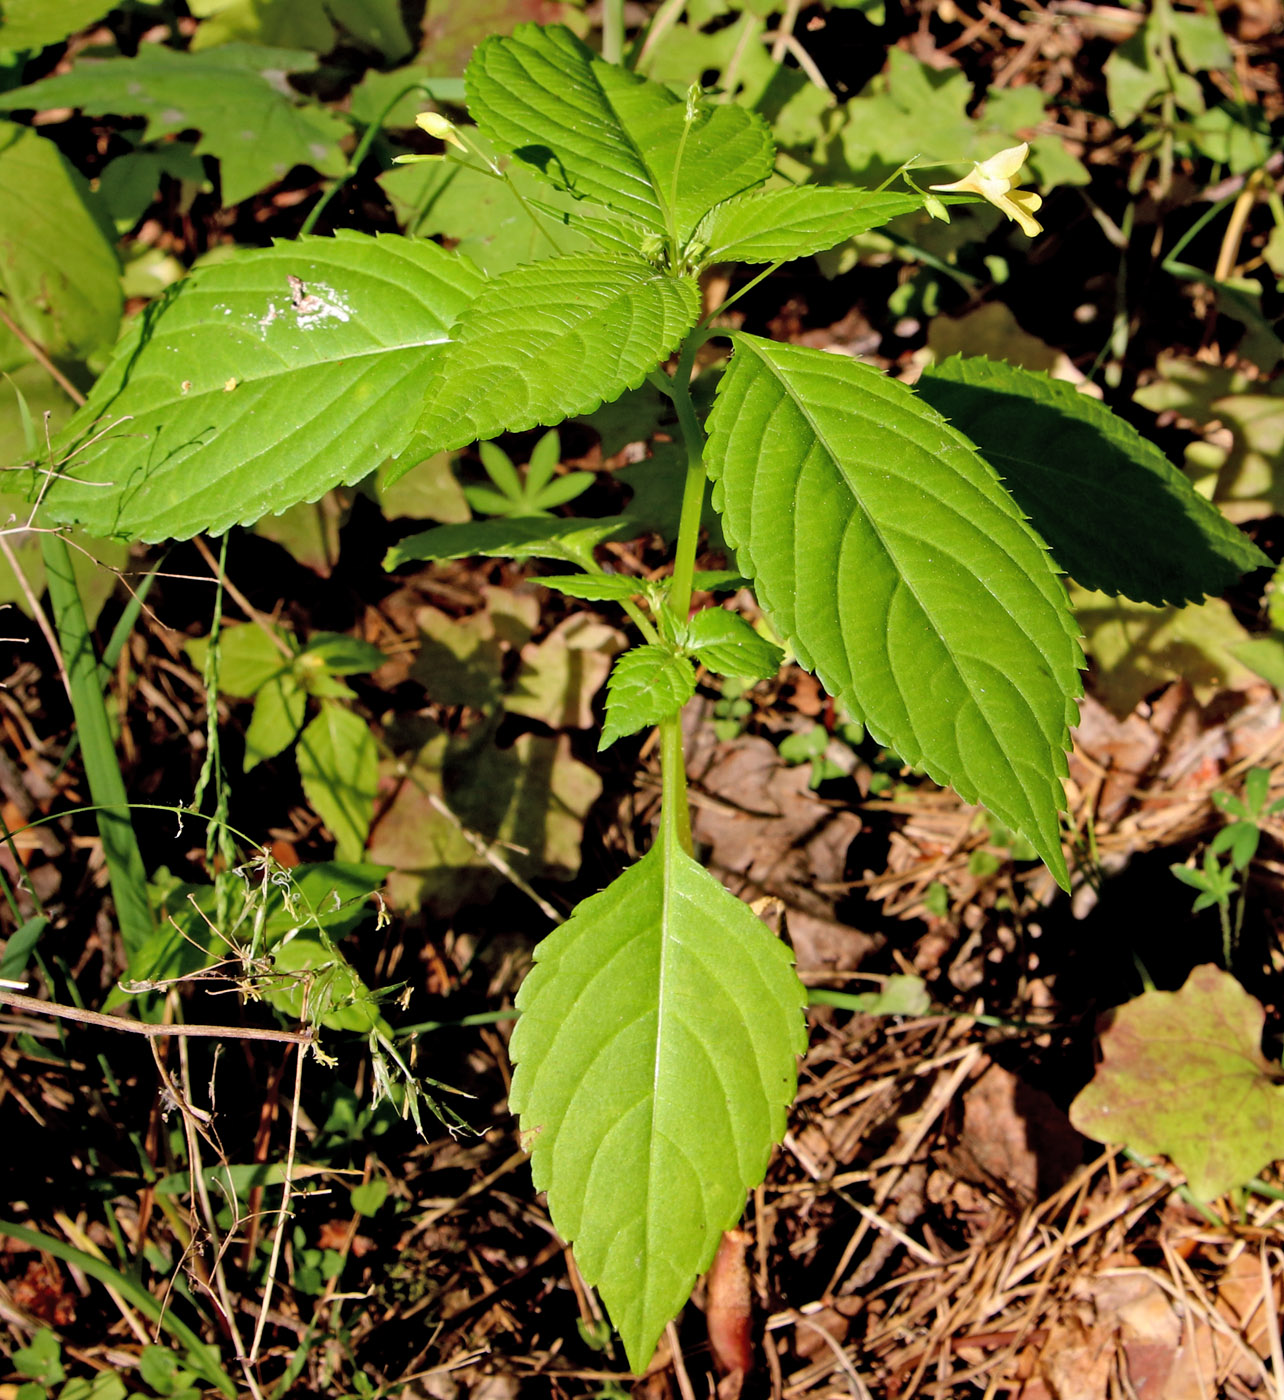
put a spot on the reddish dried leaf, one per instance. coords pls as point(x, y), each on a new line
point(1183, 1074)
point(728, 1307)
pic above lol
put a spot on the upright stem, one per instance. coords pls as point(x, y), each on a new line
point(612, 30)
point(693, 486)
point(675, 818)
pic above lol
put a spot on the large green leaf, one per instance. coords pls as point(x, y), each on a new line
point(1116, 514)
point(264, 380)
point(889, 556)
point(58, 268)
point(654, 1061)
point(777, 225)
point(236, 96)
point(551, 339)
point(610, 137)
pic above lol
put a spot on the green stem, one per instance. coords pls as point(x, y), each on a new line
point(675, 817)
point(693, 488)
point(106, 786)
point(612, 30)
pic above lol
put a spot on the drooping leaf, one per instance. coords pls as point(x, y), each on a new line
point(613, 588)
point(1115, 513)
point(31, 24)
point(338, 763)
point(654, 1060)
point(727, 645)
point(1183, 1074)
point(280, 707)
point(264, 380)
point(236, 96)
point(777, 225)
point(647, 684)
point(551, 339)
point(610, 137)
point(889, 556)
point(518, 537)
point(59, 272)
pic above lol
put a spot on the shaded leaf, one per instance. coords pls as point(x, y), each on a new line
point(1137, 649)
point(648, 684)
point(280, 706)
point(558, 678)
point(654, 1060)
point(338, 763)
point(247, 392)
point(518, 537)
point(530, 800)
point(889, 556)
point(552, 339)
point(728, 645)
point(59, 272)
point(1116, 514)
point(236, 96)
point(249, 656)
point(1183, 1074)
point(608, 136)
point(341, 655)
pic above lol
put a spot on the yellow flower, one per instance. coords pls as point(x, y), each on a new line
point(440, 127)
point(993, 180)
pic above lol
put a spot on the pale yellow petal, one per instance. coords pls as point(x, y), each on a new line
point(1005, 164)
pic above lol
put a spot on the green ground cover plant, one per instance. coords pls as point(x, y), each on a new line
point(906, 544)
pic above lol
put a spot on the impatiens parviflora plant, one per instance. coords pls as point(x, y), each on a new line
point(906, 542)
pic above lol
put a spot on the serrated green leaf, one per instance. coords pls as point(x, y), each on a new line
point(31, 24)
point(607, 136)
point(339, 766)
point(1116, 514)
point(280, 706)
point(593, 588)
point(647, 684)
point(778, 225)
point(654, 1060)
point(246, 392)
point(1183, 1073)
point(891, 559)
point(728, 645)
point(518, 537)
point(236, 96)
point(59, 272)
point(549, 340)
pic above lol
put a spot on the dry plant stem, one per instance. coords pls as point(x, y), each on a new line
point(41, 357)
point(122, 1023)
point(282, 1214)
point(685, 1388)
point(42, 620)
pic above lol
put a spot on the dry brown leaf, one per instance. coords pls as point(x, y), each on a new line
point(728, 1308)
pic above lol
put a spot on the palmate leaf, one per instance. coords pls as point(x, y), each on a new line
point(608, 136)
point(889, 556)
point(247, 392)
point(654, 1061)
point(1116, 514)
point(549, 340)
point(779, 225)
point(236, 96)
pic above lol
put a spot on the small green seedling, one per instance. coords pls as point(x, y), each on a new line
point(537, 492)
